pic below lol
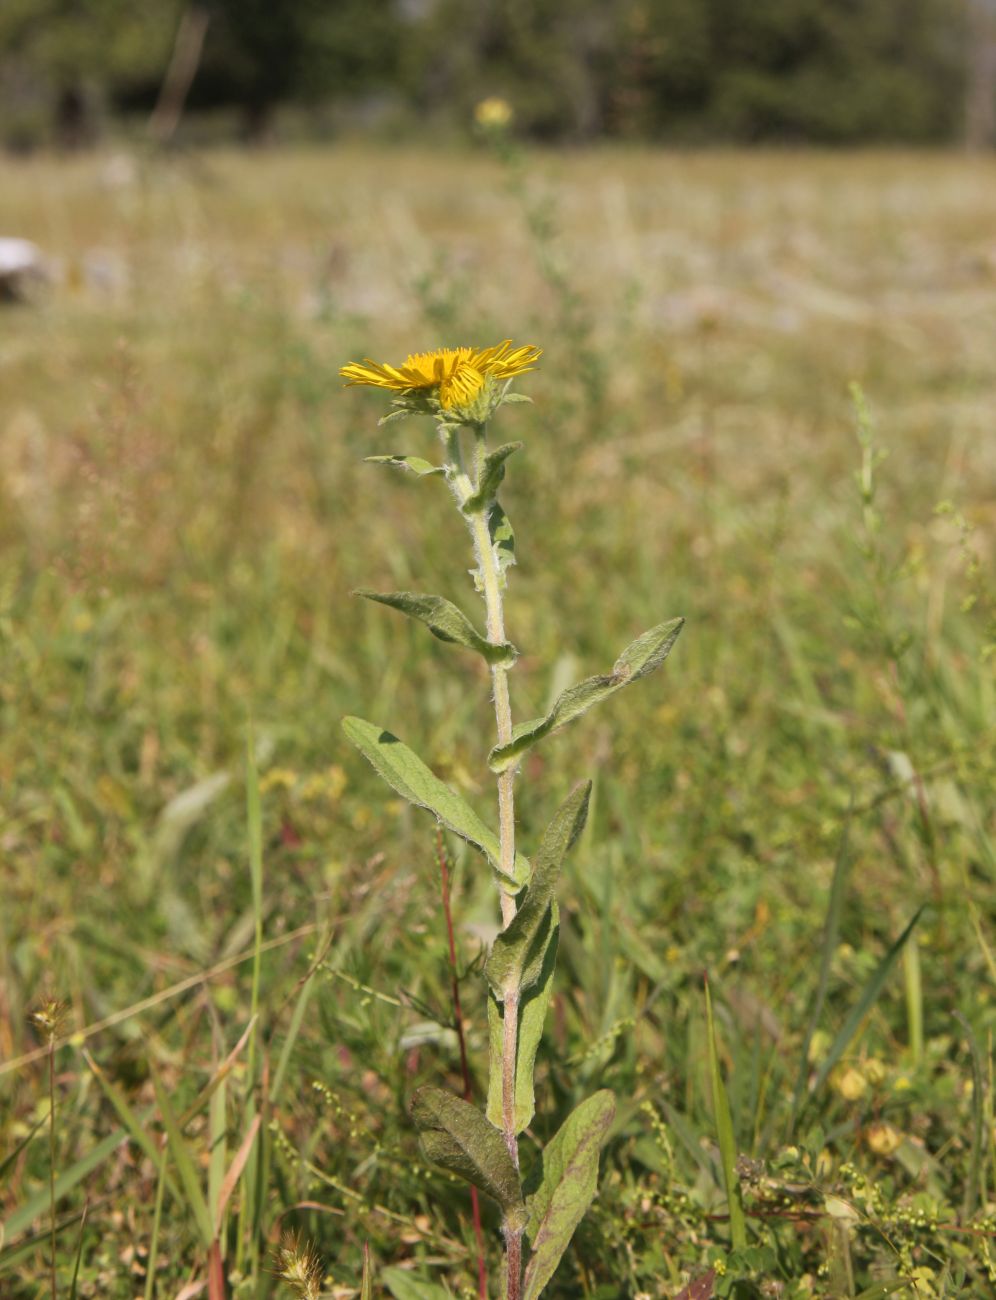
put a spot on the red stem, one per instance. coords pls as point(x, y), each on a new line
point(468, 1090)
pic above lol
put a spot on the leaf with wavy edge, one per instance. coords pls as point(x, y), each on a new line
point(458, 1137)
point(568, 1180)
point(517, 954)
point(417, 465)
point(492, 473)
point(639, 659)
point(405, 772)
point(444, 620)
point(532, 1017)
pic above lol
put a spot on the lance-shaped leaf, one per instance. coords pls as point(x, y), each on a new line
point(457, 1136)
point(639, 659)
point(416, 464)
point(517, 955)
point(567, 1185)
point(502, 538)
point(532, 1016)
point(444, 621)
point(492, 473)
point(405, 772)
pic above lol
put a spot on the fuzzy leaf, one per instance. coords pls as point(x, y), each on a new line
point(492, 473)
point(416, 464)
point(639, 659)
point(532, 1017)
point(444, 621)
point(457, 1136)
point(403, 1284)
point(502, 538)
point(405, 772)
point(517, 955)
point(568, 1181)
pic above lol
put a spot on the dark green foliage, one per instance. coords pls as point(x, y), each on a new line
point(833, 71)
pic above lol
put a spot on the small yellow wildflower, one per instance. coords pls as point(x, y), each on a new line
point(851, 1084)
point(494, 113)
point(455, 375)
point(883, 1138)
point(874, 1071)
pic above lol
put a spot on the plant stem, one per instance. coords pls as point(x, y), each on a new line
point(491, 588)
point(513, 1258)
point(51, 1156)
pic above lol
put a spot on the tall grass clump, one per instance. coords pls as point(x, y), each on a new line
point(461, 389)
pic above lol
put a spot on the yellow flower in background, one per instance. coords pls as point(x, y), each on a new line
point(494, 113)
point(883, 1139)
point(456, 375)
point(851, 1084)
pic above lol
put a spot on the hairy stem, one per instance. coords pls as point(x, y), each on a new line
point(51, 1159)
point(465, 487)
point(513, 1258)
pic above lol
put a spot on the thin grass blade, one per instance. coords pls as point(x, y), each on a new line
point(864, 1004)
point(724, 1136)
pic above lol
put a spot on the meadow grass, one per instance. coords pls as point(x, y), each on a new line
point(184, 514)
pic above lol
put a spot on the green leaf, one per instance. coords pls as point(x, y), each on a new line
point(517, 955)
point(568, 1179)
point(405, 772)
point(492, 473)
point(444, 621)
point(831, 929)
point(639, 659)
point(457, 1136)
point(423, 468)
point(405, 1285)
point(532, 1017)
point(184, 1164)
point(724, 1136)
point(502, 538)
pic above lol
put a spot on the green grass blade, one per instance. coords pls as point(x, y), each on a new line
point(157, 1218)
point(970, 1200)
point(864, 1004)
point(724, 1136)
point(366, 1286)
point(79, 1255)
point(7, 1161)
point(254, 821)
point(125, 1113)
point(293, 1030)
point(217, 1130)
point(830, 932)
point(184, 1164)
point(914, 999)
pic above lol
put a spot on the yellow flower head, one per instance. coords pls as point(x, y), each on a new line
point(493, 113)
point(454, 375)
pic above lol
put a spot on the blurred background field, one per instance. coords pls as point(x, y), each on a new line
point(185, 511)
point(226, 204)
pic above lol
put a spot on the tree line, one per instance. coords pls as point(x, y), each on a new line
point(681, 71)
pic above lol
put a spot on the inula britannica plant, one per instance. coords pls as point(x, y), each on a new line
point(462, 389)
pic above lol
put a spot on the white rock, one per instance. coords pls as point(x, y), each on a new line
point(21, 266)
